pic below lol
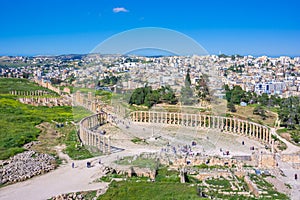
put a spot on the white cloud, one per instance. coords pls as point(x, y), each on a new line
point(120, 9)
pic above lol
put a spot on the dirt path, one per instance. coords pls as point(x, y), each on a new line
point(65, 179)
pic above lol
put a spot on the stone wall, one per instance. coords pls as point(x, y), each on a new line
point(252, 187)
point(47, 85)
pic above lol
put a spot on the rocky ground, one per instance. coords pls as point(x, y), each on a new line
point(24, 166)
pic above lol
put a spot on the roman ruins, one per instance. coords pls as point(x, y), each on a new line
point(90, 137)
point(225, 124)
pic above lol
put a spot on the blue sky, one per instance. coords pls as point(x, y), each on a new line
point(232, 27)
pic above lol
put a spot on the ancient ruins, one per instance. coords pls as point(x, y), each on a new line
point(227, 124)
point(93, 138)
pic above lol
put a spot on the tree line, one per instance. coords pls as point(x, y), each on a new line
point(148, 97)
point(288, 108)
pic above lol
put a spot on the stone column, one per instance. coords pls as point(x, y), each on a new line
point(103, 144)
point(222, 123)
point(200, 121)
point(243, 126)
point(208, 121)
point(228, 124)
point(250, 129)
point(108, 145)
point(270, 139)
point(260, 133)
point(150, 117)
point(166, 118)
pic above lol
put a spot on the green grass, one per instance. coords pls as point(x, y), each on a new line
point(205, 166)
point(109, 177)
point(18, 120)
point(220, 183)
point(167, 176)
point(139, 162)
point(74, 149)
point(10, 84)
point(80, 113)
point(282, 130)
point(152, 191)
point(18, 123)
point(262, 184)
point(137, 140)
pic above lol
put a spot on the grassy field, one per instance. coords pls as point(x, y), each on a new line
point(148, 190)
point(79, 113)
point(10, 84)
point(246, 113)
point(19, 122)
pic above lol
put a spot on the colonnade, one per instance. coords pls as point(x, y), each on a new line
point(92, 138)
point(87, 101)
point(29, 93)
point(45, 101)
point(227, 124)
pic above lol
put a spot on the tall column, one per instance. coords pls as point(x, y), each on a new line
point(260, 132)
point(103, 144)
point(200, 121)
point(108, 145)
point(250, 129)
point(234, 125)
point(174, 120)
point(264, 134)
point(166, 118)
point(257, 132)
point(243, 126)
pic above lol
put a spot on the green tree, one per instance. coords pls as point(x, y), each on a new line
point(187, 96)
point(289, 112)
point(148, 97)
point(259, 110)
point(263, 99)
point(231, 107)
point(202, 88)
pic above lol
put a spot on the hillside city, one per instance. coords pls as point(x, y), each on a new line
point(273, 76)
